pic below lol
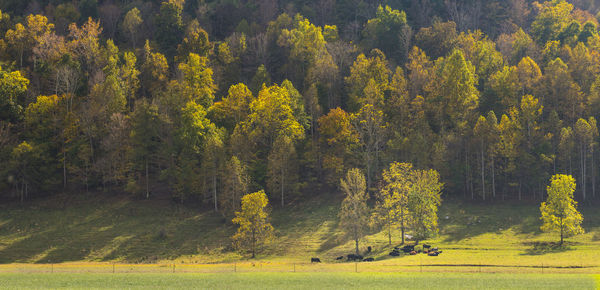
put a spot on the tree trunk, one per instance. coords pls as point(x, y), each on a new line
point(482, 171)
point(493, 178)
point(561, 231)
point(593, 176)
point(253, 244)
point(402, 223)
point(215, 189)
point(389, 231)
point(356, 245)
point(147, 181)
point(582, 166)
point(282, 183)
point(64, 167)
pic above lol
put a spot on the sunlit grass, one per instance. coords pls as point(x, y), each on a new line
point(501, 238)
point(297, 281)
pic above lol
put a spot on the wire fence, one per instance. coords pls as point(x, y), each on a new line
point(250, 267)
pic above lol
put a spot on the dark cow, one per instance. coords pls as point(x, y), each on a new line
point(394, 253)
point(369, 249)
point(339, 258)
point(315, 260)
point(353, 257)
point(368, 260)
point(426, 246)
point(408, 249)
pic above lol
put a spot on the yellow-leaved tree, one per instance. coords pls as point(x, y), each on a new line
point(559, 212)
point(354, 212)
point(255, 229)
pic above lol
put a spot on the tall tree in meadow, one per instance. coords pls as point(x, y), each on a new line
point(392, 201)
point(424, 198)
point(253, 219)
point(354, 211)
point(559, 211)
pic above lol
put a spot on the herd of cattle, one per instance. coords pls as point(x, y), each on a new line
point(410, 250)
point(407, 250)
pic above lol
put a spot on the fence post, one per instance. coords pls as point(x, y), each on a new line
point(294, 267)
point(542, 268)
point(52, 268)
point(173, 268)
point(234, 267)
point(113, 268)
point(355, 267)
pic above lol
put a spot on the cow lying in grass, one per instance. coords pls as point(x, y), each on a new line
point(434, 253)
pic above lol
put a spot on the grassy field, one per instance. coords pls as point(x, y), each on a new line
point(297, 281)
point(100, 230)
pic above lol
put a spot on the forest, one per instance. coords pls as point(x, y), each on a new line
point(208, 100)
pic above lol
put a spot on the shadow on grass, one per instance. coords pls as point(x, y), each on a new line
point(461, 220)
point(107, 228)
point(541, 248)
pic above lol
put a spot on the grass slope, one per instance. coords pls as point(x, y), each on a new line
point(105, 229)
point(296, 281)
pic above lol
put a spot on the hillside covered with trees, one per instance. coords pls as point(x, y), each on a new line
point(210, 100)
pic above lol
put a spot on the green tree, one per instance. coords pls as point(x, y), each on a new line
point(154, 71)
point(559, 211)
point(12, 87)
point(454, 91)
point(385, 31)
point(21, 162)
point(354, 211)
point(190, 136)
point(337, 137)
point(235, 184)
point(281, 167)
point(392, 201)
point(233, 108)
point(131, 24)
point(195, 41)
point(424, 198)
point(371, 128)
point(197, 82)
point(365, 71)
point(553, 17)
point(145, 144)
point(169, 25)
point(253, 219)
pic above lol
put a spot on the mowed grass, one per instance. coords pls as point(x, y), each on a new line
point(99, 228)
point(297, 281)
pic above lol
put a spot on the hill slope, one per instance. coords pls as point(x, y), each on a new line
point(104, 228)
